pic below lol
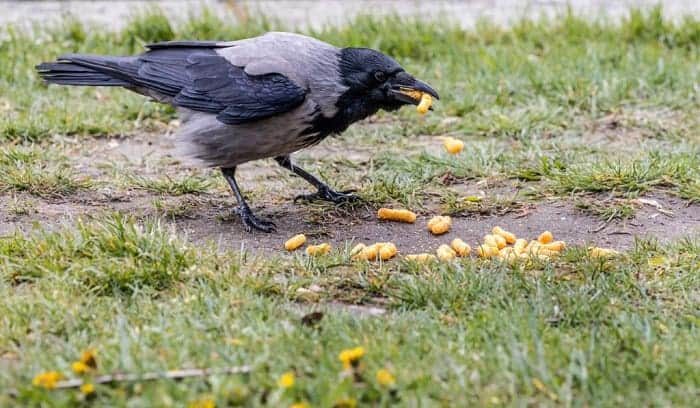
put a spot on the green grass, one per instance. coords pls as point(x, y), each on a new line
point(185, 207)
point(596, 112)
point(167, 185)
point(38, 171)
point(608, 211)
point(471, 333)
point(112, 256)
point(538, 76)
point(541, 169)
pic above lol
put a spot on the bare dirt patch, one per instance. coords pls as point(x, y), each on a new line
point(560, 217)
point(625, 131)
point(206, 218)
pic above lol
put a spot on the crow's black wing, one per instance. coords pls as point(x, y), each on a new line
point(189, 74)
point(198, 78)
point(216, 86)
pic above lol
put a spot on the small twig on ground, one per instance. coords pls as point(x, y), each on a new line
point(125, 377)
point(601, 226)
point(173, 374)
point(619, 233)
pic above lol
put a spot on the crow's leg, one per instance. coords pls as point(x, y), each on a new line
point(247, 216)
point(325, 192)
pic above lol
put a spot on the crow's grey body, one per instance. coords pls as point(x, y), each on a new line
point(254, 98)
point(306, 63)
point(215, 144)
point(298, 58)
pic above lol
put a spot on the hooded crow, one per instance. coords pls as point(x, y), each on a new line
point(250, 99)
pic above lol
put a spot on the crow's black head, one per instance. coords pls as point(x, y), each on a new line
point(374, 81)
point(379, 80)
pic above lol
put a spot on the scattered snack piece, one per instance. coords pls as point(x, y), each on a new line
point(396, 215)
point(357, 248)
point(519, 246)
point(379, 250)
point(490, 240)
point(440, 224)
point(487, 251)
point(368, 253)
point(425, 101)
point(507, 254)
point(295, 242)
point(531, 246)
point(597, 252)
point(508, 236)
point(494, 241)
point(500, 242)
point(319, 249)
point(387, 251)
point(542, 251)
point(461, 247)
point(420, 257)
point(445, 253)
point(545, 238)
point(452, 145)
point(506, 251)
point(536, 250)
point(523, 255)
point(554, 246)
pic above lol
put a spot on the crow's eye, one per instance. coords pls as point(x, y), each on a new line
point(380, 76)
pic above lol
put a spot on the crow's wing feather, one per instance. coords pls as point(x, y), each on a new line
point(202, 80)
point(218, 87)
point(191, 75)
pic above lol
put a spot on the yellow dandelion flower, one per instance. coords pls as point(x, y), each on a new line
point(234, 341)
point(80, 368)
point(350, 357)
point(47, 379)
point(286, 380)
point(88, 358)
point(87, 388)
point(203, 403)
point(385, 378)
point(543, 389)
point(300, 405)
point(345, 403)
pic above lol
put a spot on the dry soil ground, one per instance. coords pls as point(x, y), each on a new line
point(206, 218)
point(203, 217)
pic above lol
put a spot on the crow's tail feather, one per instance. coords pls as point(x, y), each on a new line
point(91, 70)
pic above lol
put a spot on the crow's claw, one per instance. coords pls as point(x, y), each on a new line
point(327, 194)
point(250, 221)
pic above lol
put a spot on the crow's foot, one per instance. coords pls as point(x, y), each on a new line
point(328, 194)
point(250, 221)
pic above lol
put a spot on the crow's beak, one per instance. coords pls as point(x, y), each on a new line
point(407, 89)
